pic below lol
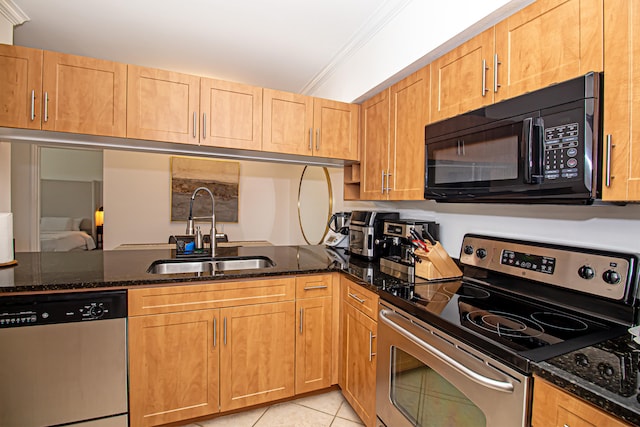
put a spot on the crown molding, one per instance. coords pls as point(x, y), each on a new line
point(12, 12)
point(365, 33)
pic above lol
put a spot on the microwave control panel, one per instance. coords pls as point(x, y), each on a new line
point(561, 151)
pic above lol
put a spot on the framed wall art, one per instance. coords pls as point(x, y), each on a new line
point(220, 176)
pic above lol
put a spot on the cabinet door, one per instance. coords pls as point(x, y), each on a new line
point(359, 365)
point(20, 86)
point(162, 105)
point(84, 95)
point(173, 367)
point(336, 129)
point(257, 354)
point(621, 102)
point(409, 115)
point(287, 123)
point(548, 42)
point(313, 344)
point(462, 79)
point(554, 407)
point(375, 147)
point(231, 114)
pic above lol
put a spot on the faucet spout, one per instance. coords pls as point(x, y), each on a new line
point(191, 219)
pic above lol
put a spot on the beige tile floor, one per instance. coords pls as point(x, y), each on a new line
point(323, 410)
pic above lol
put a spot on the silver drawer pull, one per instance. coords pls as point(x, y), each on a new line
point(355, 297)
point(33, 105)
point(309, 288)
point(215, 335)
point(371, 353)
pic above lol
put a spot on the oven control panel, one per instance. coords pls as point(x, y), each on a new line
point(602, 273)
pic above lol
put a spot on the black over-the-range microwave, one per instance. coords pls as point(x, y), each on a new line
point(541, 147)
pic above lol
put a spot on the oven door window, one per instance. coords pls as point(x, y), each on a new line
point(425, 398)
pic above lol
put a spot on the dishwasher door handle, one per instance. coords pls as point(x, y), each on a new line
point(448, 360)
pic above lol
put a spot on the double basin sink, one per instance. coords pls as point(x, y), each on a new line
point(210, 265)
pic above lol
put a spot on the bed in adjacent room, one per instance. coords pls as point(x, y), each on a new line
point(63, 234)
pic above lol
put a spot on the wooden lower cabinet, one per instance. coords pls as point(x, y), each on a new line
point(257, 354)
point(358, 372)
point(313, 344)
point(173, 367)
point(555, 407)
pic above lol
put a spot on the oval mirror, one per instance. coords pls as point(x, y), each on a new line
point(315, 203)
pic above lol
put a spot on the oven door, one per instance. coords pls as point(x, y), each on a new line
point(426, 378)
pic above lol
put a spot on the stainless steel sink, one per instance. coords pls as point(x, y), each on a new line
point(209, 266)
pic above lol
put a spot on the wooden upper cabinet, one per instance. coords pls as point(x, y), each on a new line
point(287, 123)
point(621, 123)
point(303, 125)
point(375, 146)
point(462, 79)
point(548, 42)
point(84, 95)
point(409, 115)
point(336, 129)
point(20, 87)
point(231, 114)
point(163, 105)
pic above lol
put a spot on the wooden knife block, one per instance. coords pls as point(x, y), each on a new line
point(436, 264)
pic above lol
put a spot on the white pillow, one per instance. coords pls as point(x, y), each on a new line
point(53, 223)
point(75, 224)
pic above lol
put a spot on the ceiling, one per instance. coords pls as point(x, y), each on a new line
point(282, 44)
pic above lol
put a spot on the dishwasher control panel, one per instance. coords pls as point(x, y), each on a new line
point(62, 308)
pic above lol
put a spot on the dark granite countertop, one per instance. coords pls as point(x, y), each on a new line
point(605, 374)
point(67, 271)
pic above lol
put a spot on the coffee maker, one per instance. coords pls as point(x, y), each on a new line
point(338, 234)
point(398, 235)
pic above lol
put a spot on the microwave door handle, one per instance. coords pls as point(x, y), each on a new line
point(532, 135)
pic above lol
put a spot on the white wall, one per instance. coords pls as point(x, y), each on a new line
point(137, 201)
point(71, 165)
point(6, 37)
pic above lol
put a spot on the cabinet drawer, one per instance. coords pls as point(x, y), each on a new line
point(361, 298)
point(317, 285)
point(188, 297)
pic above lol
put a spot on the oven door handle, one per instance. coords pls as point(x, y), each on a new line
point(472, 375)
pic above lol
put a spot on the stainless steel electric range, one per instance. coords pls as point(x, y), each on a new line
point(461, 352)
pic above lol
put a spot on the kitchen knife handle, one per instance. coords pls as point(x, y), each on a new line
point(608, 166)
point(33, 105)
point(496, 62)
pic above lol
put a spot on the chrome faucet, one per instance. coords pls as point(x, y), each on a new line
point(190, 221)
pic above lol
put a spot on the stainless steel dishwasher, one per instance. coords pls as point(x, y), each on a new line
point(63, 360)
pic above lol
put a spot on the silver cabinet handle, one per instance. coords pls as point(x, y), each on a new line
point(355, 297)
point(33, 105)
point(309, 288)
point(463, 151)
point(215, 335)
point(371, 353)
point(224, 331)
point(195, 123)
point(388, 175)
point(46, 106)
point(318, 139)
point(204, 125)
point(484, 77)
point(496, 62)
point(301, 318)
point(608, 166)
point(382, 182)
point(506, 387)
point(310, 139)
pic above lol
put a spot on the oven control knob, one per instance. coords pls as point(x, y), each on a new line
point(611, 277)
point(481, 253)
point(96, 311)
point(468, 249)
point(586, 272)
